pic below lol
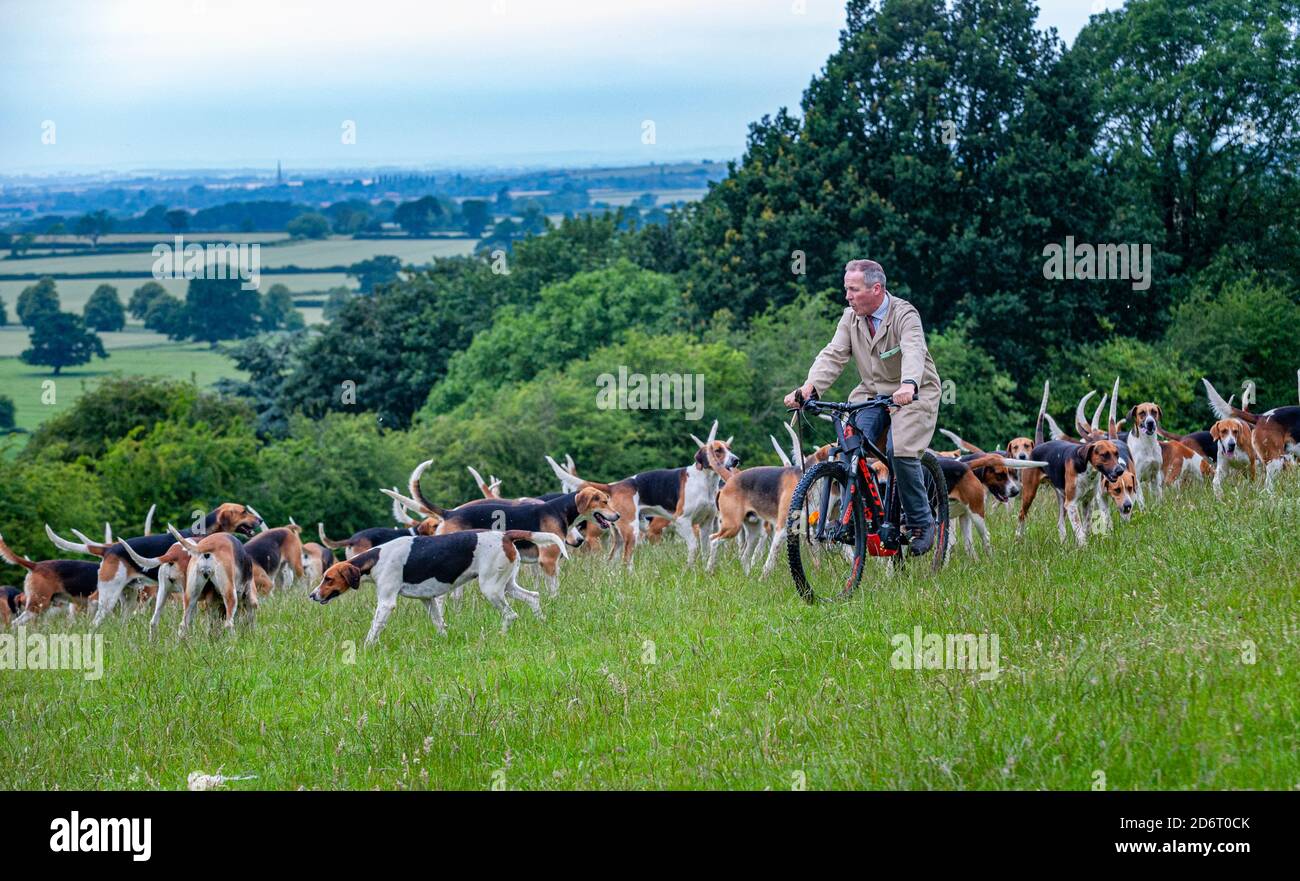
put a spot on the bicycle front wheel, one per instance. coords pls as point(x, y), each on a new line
point(825, 534)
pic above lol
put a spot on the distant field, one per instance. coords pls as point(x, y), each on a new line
point(662, 197)
point(336, 251)
point(119, 238)
point(74, 292)
point(186, 361)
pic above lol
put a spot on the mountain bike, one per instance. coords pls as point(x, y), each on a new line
point(847, 508)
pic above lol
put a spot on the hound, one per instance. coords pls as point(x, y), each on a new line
point(12, 602)
point(559, 517)
point(70, 580)
point(219, 567)
point(316, 559)
point(364, 540)
point(1075, 471)
point(969, 481)
point(171, 568)
point(428, 567)
point(1020, 448)
point(685, 496)
point(117, 569)
point(278, 553)
point(1159, 463)
point(1274, 435)
point(999, 479)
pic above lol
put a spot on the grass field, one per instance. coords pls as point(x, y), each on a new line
point(1125, 660)
point(24, 383)
point(335, 251)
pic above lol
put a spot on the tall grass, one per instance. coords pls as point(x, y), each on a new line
point(1127, 665)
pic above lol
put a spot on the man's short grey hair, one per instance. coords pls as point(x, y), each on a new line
point(872, 272)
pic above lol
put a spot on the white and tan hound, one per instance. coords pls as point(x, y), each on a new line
point(428, 567)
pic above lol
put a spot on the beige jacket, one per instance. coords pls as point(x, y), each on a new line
point(896, 352)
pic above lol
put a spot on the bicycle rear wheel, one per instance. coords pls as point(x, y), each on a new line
point(825, 534)
point(936, 491)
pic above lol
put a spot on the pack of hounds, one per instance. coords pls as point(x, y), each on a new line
point(230, 559)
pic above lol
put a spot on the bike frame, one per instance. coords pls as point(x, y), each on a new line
point(883, 533)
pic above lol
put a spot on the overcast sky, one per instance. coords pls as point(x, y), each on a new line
point(207, 83)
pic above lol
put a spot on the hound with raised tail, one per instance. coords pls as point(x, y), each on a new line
point(1075, 471)
point(562, 517)
point(117, 570)
point(278, 553)
point(218, 567)
point(427, 568)
point(1274, 436)
point(685, 496)
point(365, 539)
point(969, 480)
point(70, 580)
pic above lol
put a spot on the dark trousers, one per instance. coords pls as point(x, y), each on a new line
point(872, 421)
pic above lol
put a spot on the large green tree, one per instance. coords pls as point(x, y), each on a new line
point(103, 311)
point(220, 309)
point(60, 339)
point(36, 300)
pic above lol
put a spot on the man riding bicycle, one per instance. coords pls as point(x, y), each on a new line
point(884, 337)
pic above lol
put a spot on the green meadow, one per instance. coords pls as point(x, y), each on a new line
point(138, 353)
point(1164, 656)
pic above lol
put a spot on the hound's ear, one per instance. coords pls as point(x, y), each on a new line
point(1215, 431)
point(1160, 414)
point(351, 574)
point(1131, 415)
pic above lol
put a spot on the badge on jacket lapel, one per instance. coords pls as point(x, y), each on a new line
point(892, 352)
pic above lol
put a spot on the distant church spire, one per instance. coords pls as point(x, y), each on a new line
point(279, 175)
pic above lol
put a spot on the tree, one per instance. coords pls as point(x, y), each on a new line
point(220, 309)
point(418, 216)
point(949, 141)
point(278, 311)
point(22, 244)
point(167, 315)
point(375, 271)
point(6, 414)
point(103, 311)
point(557, 329)
point(1240, 331)
point(36, 300)
point(309, 225)
point(336, 299)
point(60, 339)
point(94, 225)
point(109, 409)
point(178, 219)
point(1200, 101)
point(143, 298)
point(476, 215)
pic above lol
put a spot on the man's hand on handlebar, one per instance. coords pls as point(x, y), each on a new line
point(805, 392)
point(904, 395)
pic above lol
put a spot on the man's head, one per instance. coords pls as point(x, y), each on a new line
point(864, 285)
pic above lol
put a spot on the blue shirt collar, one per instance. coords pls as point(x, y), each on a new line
point(881, 311)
